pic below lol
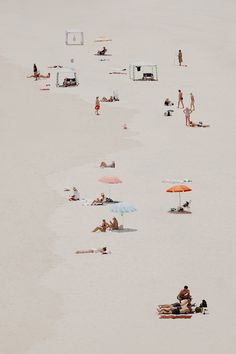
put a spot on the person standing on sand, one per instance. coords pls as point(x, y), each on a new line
point(187, 113)
point(180, 98)
point(192, 102)
point(97, 106)
point(180, 57)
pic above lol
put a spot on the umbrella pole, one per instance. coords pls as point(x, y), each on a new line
point(179, 200)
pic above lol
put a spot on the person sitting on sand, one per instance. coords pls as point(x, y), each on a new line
point(198, 125)
point(186, 204)
point(103, 164)
point(102, 250)
point(184, 294)
point(168, 102)
point(75, 196)
point(99, 200)
point(103, 227)
point(38, 76)
point(102, 52)
point(114, 224)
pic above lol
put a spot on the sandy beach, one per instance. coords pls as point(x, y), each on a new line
point(56, 301)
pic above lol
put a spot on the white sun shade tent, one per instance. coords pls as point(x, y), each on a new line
point(74, 37)
point(143, 72)
point(66, 73)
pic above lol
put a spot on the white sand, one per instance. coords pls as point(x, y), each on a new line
point(54, 301)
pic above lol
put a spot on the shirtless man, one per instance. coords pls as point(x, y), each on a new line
point(180, 98)
point(192, 102)
point(184, 293)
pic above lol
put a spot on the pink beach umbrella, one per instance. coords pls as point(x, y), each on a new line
point(110, 180)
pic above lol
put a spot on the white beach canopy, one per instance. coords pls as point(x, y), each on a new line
point(143, 71)
point(74, 37)
point(66, 73)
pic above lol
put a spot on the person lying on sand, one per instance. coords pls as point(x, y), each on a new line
point(184, 307)
point(75, 196)
point(102, 250)
point(55, 66)
point(113, 225)
point(104, 99)
point(38, 76)
point(103, 164)
point(99, 200)
point(199, 125)
point(103, 227)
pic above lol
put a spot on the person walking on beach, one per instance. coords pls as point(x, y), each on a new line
point(192, 102)
point(180, 57)
point(97, 106)
point(187, 113)
point(180, 99)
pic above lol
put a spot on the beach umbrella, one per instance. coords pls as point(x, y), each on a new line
point(179, 189)
point(110, 180)
point(122, 208)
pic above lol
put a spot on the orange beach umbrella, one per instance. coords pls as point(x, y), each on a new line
point(179, 189)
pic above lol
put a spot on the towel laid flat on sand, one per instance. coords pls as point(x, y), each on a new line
point(173, 317)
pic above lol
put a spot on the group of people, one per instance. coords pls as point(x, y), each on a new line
point(183, 306)
point(111, 225)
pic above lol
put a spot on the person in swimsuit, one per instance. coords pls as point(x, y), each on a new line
point(103, 164)
point(180, 57)
point(99, 200)
point(102, 250)
point(114, 224)
point(192, 102)
point(180, 98)
point(97, 106)
point(187, 111)
point(184, 294)
point(75, 196)
point(199, 125)
point(103, 227)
